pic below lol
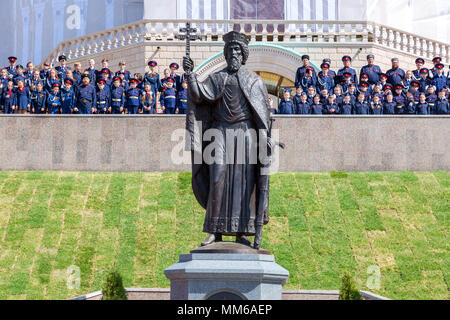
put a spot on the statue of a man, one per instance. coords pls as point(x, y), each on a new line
point(234, 188)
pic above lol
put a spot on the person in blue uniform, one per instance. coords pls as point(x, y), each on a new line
point(310, 94)
point(383, 81)
point(308, 79)
point(376, 107)
point(169, 98)
point(365, 79)
point(12, 66)
point(420, 62)
point(331, 72)
point(19, 75)
point(124, 71)
point(77, 74)
point(92, 71)
point(439, 79)
point(414, 89)
point(298, 95)
point(433, 71)
point(347, 106)
point(395, 75)
point(324, 96)
point(362, 106)
point(148, 100)
point(23, 98)
point(302, 71)
point(373, 71)
point(316, 107)
point(346, 82)
point(33, 81)
point(54, 100)
point(39, 99)
point(353, 93)
point(332, 107)
point(286, 105)
point(338, 94)
point(105, 66)
point(86, 97)
point(431, 97)
point(8, 100)
point(104, 75)
point(182, 98)
point(363, 88)
point(103, 97)
point(424, 80)
point(4, 79)
point(152, 77)
point(62, 68)
point(45, 72)
point(389, 104)
point(68, 97)
point(28, 74)
point(399, 99)
point(324, 79)
point(132, 95)
point(51, 80)
point(422, 107)
point(301, 105)
point(117, 97)
point(410, 104)
point(173, 74)
point(442, 104)
point(347, 61)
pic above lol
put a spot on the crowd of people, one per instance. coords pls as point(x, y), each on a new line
point(63, 90)
point(422, 91)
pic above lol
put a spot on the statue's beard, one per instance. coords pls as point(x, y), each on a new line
point(234, 63)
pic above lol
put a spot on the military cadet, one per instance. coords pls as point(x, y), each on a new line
point(377, 92)
point(45, 73)
point(346, 82)
point(54, 100)
point(62, 68)
point(442, 104)
point(383, 81)
point(433, 71)
point(34, 80)
point(388, 88)
point(302, 106)
point(286, 105)
point(298, 95)
point(117, 97)
point(389, 104)
point(431, 97)
point(152, 77)
point(19, 75)
point(420, 62)
point(105, 65)
point(353, 93)
point(29, 72)
point(104, 75)
point(86, 97)
point(38, 99)
point(316, 107)
point(373, 71)
point(338, 94)
point(415, 90)
point(347, 61)
point(23, 98)
point(407, 81)
point(302, 71)
point(308, 79)
point(439, 79)
point(68, 97)
point(182, 98)
point(365, 79)
point(362, 106)
point(4, 79)
point(92, 71)
point(51, 80)
point(124, 83)
point(324, 79)
point(8, 100)
point(332, 107)
point(347, 107)
point(122, 70)
point(399, 99)
point(132, 98)
point(77, 74)
point(164, 80)
point(103, 97)
point(324, 96)
point(376, 107)
point(311, 93)
point(424, 80)
point(12, 66)
point(395, 75)
point(148, 100)
point(422, 107)
point(177, 79)
point(140, 81)
point(168, 97)
point(363, 88)
point(331, 72)
point(410, 104)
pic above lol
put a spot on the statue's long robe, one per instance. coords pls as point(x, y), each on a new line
point(236, 197)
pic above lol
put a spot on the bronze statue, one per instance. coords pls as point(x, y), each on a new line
point(234, 188)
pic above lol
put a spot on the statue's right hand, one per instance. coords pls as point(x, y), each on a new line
point(188, 65)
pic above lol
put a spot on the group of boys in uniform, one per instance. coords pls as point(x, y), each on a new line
point(422, 91)
point(65, 91)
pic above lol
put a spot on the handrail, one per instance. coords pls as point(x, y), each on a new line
point(281, 31)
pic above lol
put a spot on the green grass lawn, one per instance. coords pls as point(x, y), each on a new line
point(321, 225)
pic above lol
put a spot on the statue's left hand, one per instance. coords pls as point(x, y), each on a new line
point(188, 65)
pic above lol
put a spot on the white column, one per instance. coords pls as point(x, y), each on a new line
point(25, 33)
point(14, 23)
point(83, 4)
point(109, 14)
point(58, 7)
point(38, 30)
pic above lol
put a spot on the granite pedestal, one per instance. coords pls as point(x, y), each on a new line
point(226, 271)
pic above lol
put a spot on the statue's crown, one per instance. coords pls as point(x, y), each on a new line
point(235, 36)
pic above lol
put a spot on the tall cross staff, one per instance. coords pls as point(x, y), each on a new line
point(189, 34)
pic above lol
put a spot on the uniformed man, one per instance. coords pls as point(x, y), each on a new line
point(439, 79)
point(86, 97)
point(433, 71)
point(373, 71)
point(308, 79)
point(28, 74)
point(117, 97)
point(12, 66)
point(152, 77)
point(104, 75)
point(424, 80)
point(132, 95)
point(45, 73)
point(39, 99)
point(182, 98)
point(122, 70)
point(77, 74)
point(331, 72)
point(62, 68)
point(420, 62)
point(346, 81)
point(302, 71)
point(395, 75)
point(324, 79)
point(68, 97)
point(347, 61)
point(92, 71)
point(103, 97)
point(177, 79)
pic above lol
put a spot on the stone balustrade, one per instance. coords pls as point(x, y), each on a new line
point(271, 31)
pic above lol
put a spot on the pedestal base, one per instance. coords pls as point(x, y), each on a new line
point(226, 271)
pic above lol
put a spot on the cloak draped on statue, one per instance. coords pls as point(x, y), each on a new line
point(236, 197)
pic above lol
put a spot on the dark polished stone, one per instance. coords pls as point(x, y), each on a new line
point(229, 247)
